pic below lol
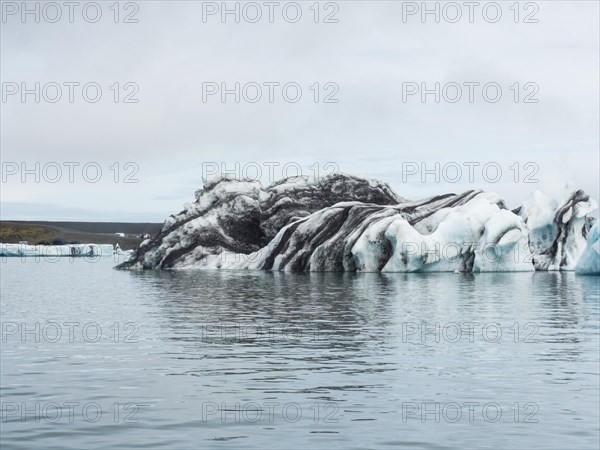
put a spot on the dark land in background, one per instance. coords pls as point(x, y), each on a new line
point(35, 232)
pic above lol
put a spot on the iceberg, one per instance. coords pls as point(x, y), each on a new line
point(558, 230)
point(346, 223)
point(56, 251)
point(589, 262)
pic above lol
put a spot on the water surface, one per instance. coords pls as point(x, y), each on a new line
point(227, 359)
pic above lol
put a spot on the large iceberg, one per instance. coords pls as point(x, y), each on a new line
point(345, 223)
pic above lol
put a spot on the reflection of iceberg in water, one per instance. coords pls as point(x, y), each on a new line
point(567, 319)
point(375, 322)
point(56, 251)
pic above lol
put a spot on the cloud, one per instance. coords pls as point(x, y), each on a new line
point(368, 54)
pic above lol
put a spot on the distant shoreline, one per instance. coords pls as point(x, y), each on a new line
point(34, 232)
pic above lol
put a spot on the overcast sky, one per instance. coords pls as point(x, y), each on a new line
point(366, 52)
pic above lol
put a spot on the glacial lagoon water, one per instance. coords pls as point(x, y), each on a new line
point(98, 358)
